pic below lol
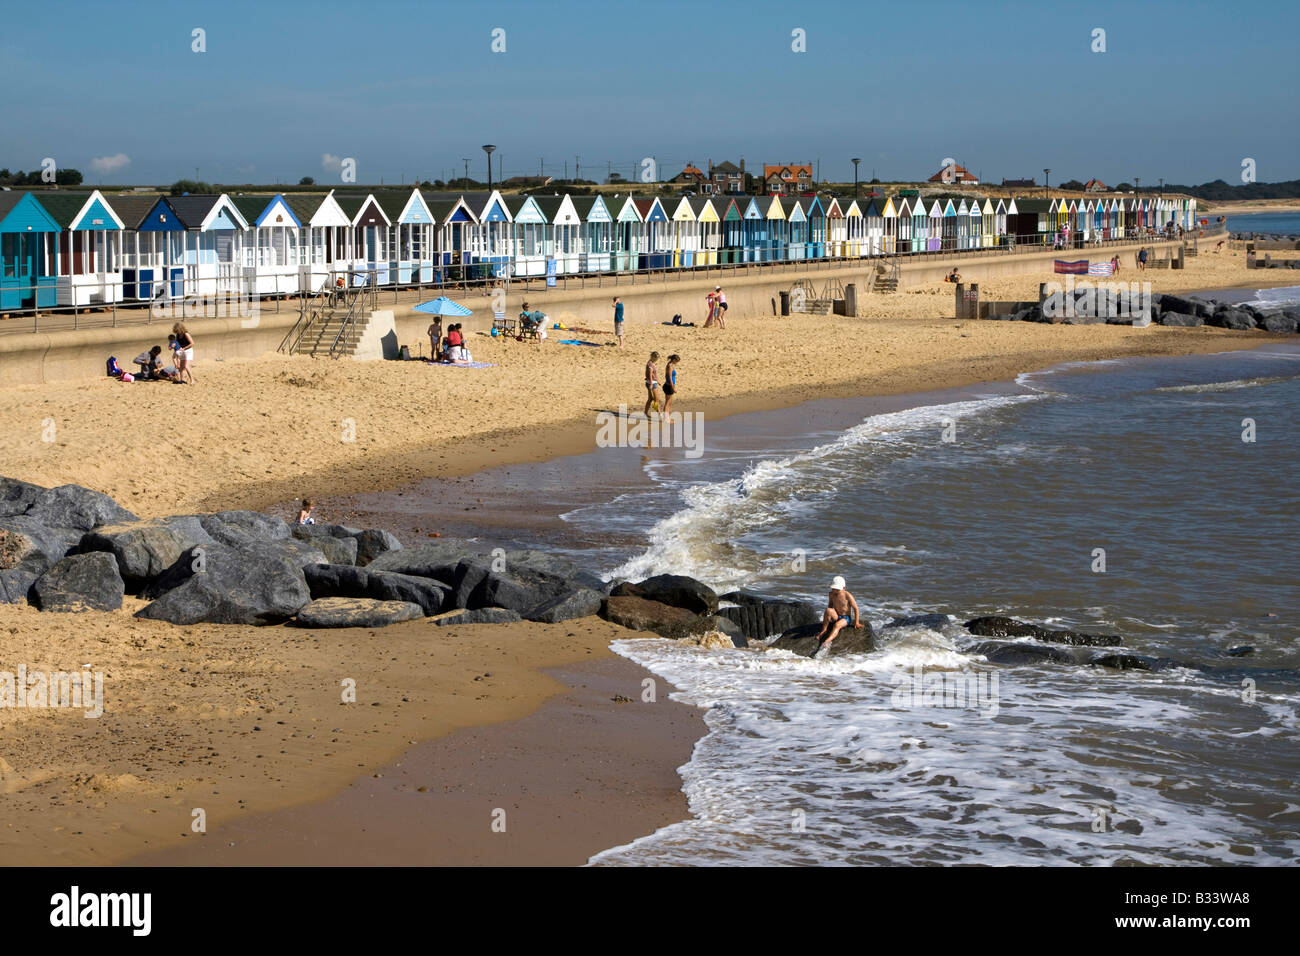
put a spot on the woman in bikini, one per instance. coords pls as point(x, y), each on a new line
point(651, 383)
point(185, 352)
point(670, 382)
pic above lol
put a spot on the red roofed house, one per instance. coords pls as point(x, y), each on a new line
point(690, 176)
point(952, 173)
point(788, 180)
point(1095, 186)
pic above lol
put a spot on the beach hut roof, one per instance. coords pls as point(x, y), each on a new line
point(23, 206)
point(1033, 205)
point(70, 209)
point(251, 207)
point(627, 210)
point(549, 205)
point(702, 205)
point(204, 212)
point(132, 209)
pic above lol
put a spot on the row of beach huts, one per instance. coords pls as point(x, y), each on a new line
point(60, 248)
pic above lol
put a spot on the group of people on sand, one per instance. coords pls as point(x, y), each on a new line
point(448, 348)
point(655, 390)
point(151, 367)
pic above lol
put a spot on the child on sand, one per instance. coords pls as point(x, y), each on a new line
point(836, 616)
point(651, 383)
point(185, 352)
point(618, 320)
point(304, 514)
point(670, 383)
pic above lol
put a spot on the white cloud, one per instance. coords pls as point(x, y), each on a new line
point(331, 163)
point(110, 164)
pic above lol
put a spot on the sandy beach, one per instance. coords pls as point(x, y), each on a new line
point(243, 721)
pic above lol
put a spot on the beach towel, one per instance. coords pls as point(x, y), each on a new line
point(680, 325)
point(1101, 269)
point(1076, 268)
point(579, 342)
point(461, 364)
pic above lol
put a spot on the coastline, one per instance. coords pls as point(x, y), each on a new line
point(205, 749)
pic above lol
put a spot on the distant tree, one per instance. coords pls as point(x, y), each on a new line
point(874, 182)
point(1123, 187)
point(183, 186)
point(426, 185)
point(5, 176)
point(615, 178)
point(306, 181)
point(1072, 184)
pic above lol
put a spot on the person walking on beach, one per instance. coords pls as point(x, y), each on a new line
point(435, 339)
point(1142, 259)
point(1114, 265)
point(618, 320)
point(185, 351)
point(721, 306)
point(652, 383)
point(836, 616)
point(670, 383)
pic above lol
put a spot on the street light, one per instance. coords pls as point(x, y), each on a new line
point(488, 149)
point(1137, 184)
point(855, 162)
point(1047, 181)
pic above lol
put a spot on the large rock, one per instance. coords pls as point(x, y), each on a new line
point(372, 543)
point(933, 622)
point(145, 549)
point(1181, 320)
point(17, 496)
point(759, 618)
point(518, 588)
point(1135, 662)
point(802, 640)
point(582, 602)
point(333, 580)
point(998, 652)
point(337, 550)
point(256, 584)
point(1278, 322)
point(675, 590)
point(482, 615)
point(237, 528)
point(356, 612)
point(430, 559)
point(27, 550)
point(72, 506)
point(1229, 318)
point(640, 614)
point(80, 582)
point(995, 626)
point(1173, 303)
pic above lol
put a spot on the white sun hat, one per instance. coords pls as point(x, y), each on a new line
point(837, 584)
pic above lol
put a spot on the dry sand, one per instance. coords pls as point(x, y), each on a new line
point(241, 720)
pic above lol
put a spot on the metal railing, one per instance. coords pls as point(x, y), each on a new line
point(115, 307)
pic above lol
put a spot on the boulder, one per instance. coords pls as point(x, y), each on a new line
point(582, 602)
point(17, 496)
point(145, 549)
point(1181, 320)
point(336, 550)
point(998, 652)
point(556, 565)
point(1033, 313)
point(1135, 662)
point(640, 614)
point(482, 615)
point(802, 640)
point(1229, 318)
point(1172, 303)
point(932, 622)
point(373, 542)
point(72, 506)
point(995, 626)
point(235, 528)
point(356, 612)
point(80, 582)
point(716, 622)
point(759, 618)
point(1078, 639)
point(27, 550)
point(256, 584)
point(675, 590)
point(518, 588)
point(335, 580)
point(431, 559)
point(306, 532)
point(1278, 322)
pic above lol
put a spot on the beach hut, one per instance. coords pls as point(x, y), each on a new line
point(684, 241)
point(656, 251)
point(906, 225)
point(891, 220)
point(757, 229)
point(814, 213)
point(733, 230)
point(327, 232)
point(796, 236)
point(597, 233)
point(411, 239)
point(952, 223)
point(1001, 212)
point(974, 223)
point(836, 232)
point(213, 244)
point(563, 231)
point(272, 253)
point(855, 229)
point(778, 225)
point(155, 266)
point(529, 239)
point(491, 238)
point(629, 234)
point(88, 267)
point(934, 238)
point(366, 238)
point(873, 230)
point(920, 224)
point(988, 224)
point(1028, 223)
point(29, 242)
point(710, 229)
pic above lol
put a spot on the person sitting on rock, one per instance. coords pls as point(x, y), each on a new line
point(836, 615)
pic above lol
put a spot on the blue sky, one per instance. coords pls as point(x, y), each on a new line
point(1184, 90)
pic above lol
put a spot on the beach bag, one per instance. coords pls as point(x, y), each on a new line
point(113, 369)
point(677, 319)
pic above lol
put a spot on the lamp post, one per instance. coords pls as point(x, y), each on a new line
point(1047, 181)
point(488, 149)
point(1137, 184)
point(855, 162)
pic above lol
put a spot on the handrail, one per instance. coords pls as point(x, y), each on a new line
point(358, 295)
point(308, 307)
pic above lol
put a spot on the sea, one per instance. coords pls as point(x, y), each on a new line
point(1270, 223)
point(1153, 498)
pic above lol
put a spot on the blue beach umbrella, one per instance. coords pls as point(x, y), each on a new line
point(443, 306)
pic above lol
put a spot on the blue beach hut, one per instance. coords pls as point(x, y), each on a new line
point(89, 265)
point(29, 240)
